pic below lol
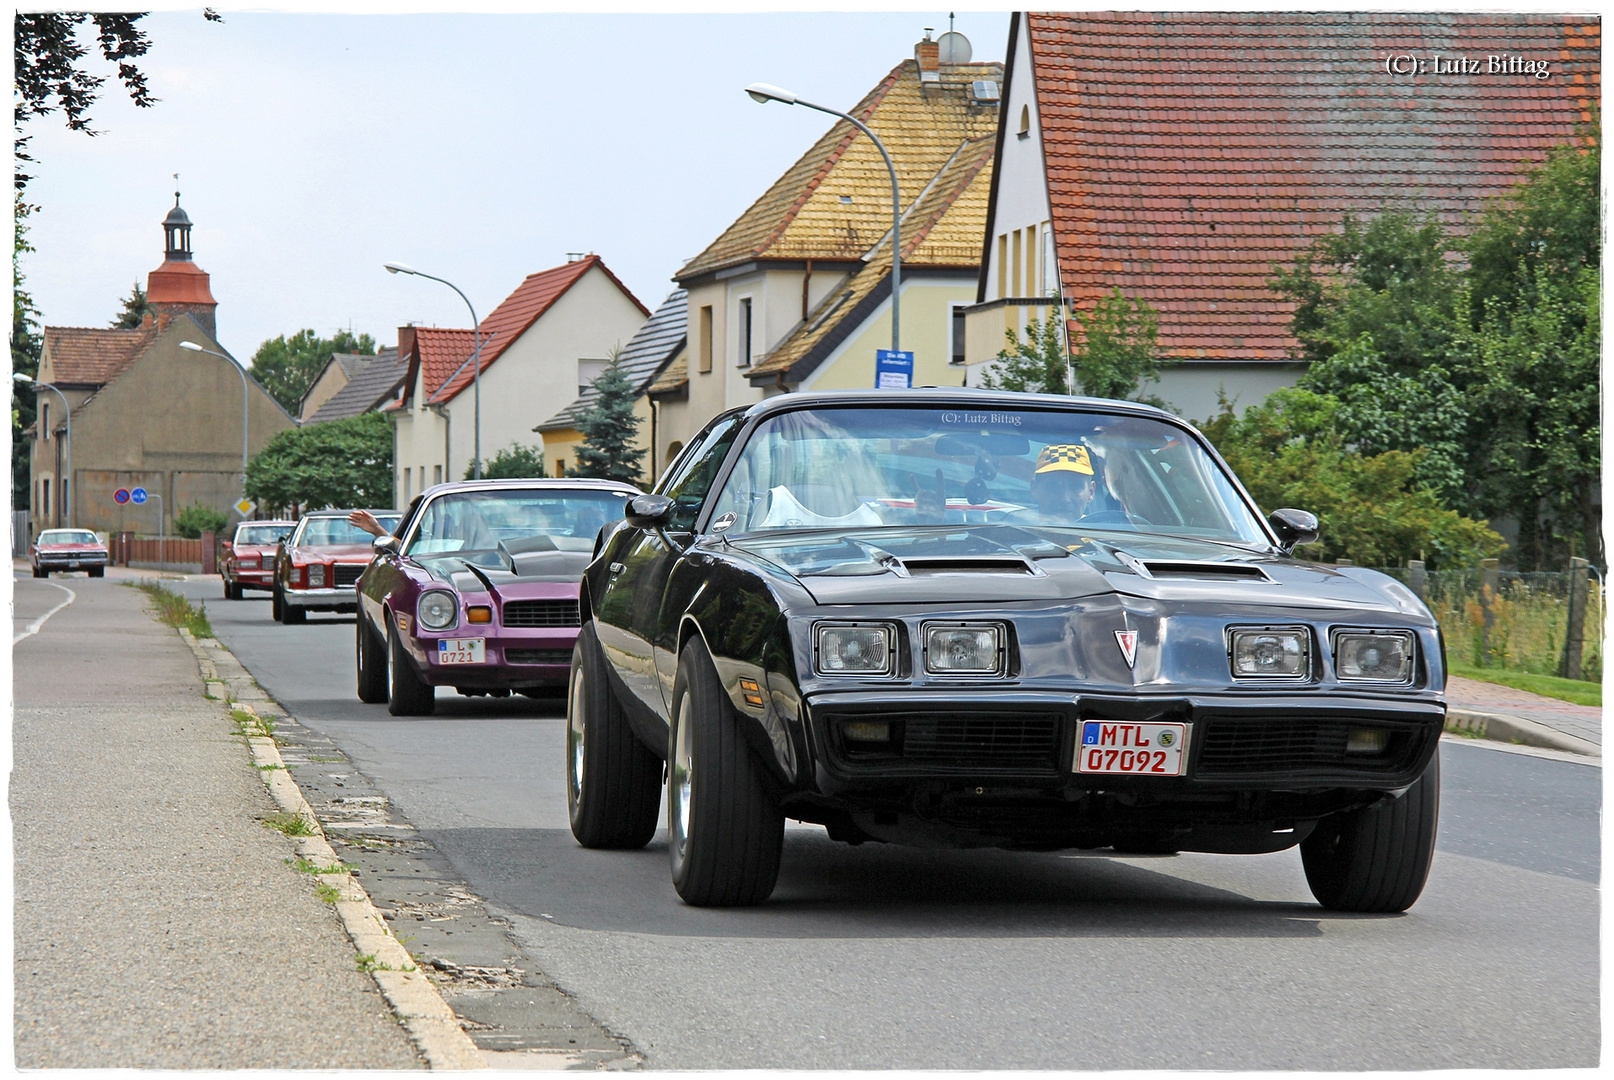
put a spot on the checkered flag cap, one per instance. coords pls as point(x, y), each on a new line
point(1065, 457)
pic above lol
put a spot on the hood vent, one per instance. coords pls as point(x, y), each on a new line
point(966, 565)
point(1205, 571)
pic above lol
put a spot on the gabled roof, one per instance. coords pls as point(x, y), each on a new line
point(512, 318)
point(438, 353)
point(1187, 153)
point(374, 381)
point(86, 357)
point(642, 359)
point(803, 215)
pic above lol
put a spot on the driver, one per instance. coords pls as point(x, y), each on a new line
point(1062, 482)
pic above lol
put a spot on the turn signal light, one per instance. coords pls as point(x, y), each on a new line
point(479, 614)
point(751, 691)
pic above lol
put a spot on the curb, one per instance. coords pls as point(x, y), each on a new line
point(1501, 727)
point(431, 1024)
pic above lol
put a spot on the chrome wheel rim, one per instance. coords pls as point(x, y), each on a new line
point(679, 783)
point(575, 736)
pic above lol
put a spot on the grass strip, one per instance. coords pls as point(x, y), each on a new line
point(175, 610)
point(1574, 691)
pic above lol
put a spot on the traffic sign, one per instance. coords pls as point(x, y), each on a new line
point(893, 370)
point(120, 496)
point(137, 496)
point(245, 506)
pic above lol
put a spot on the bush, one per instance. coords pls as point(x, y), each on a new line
point(514, 462)
point(197, 519)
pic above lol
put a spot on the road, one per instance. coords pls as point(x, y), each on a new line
point(881, 957)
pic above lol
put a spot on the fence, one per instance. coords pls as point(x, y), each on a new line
point(1543, 623)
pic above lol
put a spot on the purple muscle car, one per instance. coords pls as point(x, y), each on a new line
point(478, 590)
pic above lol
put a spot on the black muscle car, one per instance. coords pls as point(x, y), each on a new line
point(967, 618)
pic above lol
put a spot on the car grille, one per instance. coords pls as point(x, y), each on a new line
point(1240, 747)
point(992, 740)
point(538, 656)
point(541, 613)
point(346, 575)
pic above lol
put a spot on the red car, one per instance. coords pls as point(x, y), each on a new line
point(316, 566)
point(248, 559)
point(67, 549)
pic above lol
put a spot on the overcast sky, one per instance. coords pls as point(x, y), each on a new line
point(312, 148)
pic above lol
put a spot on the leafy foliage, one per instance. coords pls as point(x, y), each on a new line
point(26, 347)
point(1116, 353)
point(286, 367)
point(198, 518)
point(134, 310)
point(514, 462)
point(1372, 507)
point(344, 462)
point(1033, 364)
point(609, 428)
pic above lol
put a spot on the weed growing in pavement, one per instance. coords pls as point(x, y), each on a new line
point(328, 893)
point(290, 824)
point(251, 724)
point(308, 866)
point(175, 610)
point(269, 768)
point(367, 962)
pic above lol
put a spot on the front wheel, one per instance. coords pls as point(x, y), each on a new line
point(1376, 859)
point(410, 695)
point(97, 571)
point(277, 606)
point(725, 831)
point(613, 781)
point(41, 572)
point(370, 659)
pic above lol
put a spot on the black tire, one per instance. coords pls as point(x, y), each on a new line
point(725, 831)
point(232, 591)
point(97, 571)
point(370, 659)
point(1377, 859)
point(38, 573)
point(292, 615)
point(277, 606)
point(408, 695)
point(613, 781)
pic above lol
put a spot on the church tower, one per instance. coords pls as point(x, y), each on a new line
point(179, 286)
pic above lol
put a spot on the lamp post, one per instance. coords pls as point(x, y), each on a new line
point(762, 93)
point(476, 363)
point(241, 371)
point(67, 412)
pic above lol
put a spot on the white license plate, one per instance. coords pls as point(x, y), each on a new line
point(73, 565)
point(472, 650)
point(1132, 749)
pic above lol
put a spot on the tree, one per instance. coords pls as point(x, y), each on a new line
point(609, 429)
point(134, 310)
point(1035, 363)
point(1116, 353)
point(344, 462)
point(514, 462)
point(25, 352)
point(198, 518)
point(287, 366)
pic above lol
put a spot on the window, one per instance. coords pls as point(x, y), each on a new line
point(44, 501)
point(560, 466)
point(1025, 121)
point(588, 371)
point(745, 332)
point(687, 487)
point(1019, 248)
point(706, 339)
point(1003, 265)
point(956, 332)
point(437, 474)
point(1031, 261)
point(44, 425)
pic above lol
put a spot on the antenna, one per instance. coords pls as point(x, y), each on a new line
point(953, 47)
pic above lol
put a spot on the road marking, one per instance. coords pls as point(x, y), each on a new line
point(33, 628)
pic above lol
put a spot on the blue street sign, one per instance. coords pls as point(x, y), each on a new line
point(137, 496)
point(893, 370)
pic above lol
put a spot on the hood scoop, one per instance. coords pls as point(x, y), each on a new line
point(966, 564)
point(1200, 571)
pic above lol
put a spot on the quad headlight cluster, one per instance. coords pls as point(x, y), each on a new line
point(867, 649)
point(1284, 652)
point(316, 575)
point(437, 610)
point(949, 649)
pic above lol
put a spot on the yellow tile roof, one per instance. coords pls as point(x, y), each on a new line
point(802, 216)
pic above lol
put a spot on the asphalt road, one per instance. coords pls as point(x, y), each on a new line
point(881, 957)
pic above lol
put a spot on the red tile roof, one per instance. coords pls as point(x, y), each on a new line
point(84, 356)
point(534, 296)
point(178, 282)
point(1187, 152)
point(440, 353)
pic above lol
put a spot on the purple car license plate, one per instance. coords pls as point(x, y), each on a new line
point(462, 650)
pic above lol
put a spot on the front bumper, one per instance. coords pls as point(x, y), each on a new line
point(345, 599)
point(70, 562)
point(251, 579)
point(513, 658)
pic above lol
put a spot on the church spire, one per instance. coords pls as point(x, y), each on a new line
point(177, 233)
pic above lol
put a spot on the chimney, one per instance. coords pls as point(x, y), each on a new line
point(928, 54)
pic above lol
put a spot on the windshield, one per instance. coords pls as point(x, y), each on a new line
point(466, 521)
point(860, 467)
point(260, 534)
point(336, 532)
point(67, 536)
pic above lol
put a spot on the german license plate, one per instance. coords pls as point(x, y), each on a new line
point(472, 650)
point(1132, 749)
point(73, 565)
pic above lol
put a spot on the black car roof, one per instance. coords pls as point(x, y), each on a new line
point(961, 397)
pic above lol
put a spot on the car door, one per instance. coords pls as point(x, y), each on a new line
point(628, 615)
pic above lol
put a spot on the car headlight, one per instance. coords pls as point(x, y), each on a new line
point(964, 649)
point(437, 610)
point(316, 575)
point(1373, 656)
point(1271, 652)
point(855, 649)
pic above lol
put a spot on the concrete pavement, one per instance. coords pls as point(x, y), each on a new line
point(157, 923)
point(1508, 715)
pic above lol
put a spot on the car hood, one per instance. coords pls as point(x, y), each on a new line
point(531, 568)
point(989, 563)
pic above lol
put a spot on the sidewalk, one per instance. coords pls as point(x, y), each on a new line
point(157, 923)
point(1501, 712)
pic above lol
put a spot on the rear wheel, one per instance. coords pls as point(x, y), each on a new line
point(1376, 859)
point(370, 658)
point(725, 831)
point(613, 781)
point(409, 695)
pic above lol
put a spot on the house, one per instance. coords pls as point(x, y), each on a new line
point(145, 413)
point(796, 293)
point(658, 344)
point(1181, 156)
point(540, 346)
point(367, 384)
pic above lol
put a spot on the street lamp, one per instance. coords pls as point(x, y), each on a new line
point(476, 361)
point(241, 371)
point(67, 411)
point(762, 93)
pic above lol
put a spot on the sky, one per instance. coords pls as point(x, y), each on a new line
point(312, 148)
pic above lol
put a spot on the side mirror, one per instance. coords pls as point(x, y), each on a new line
point(1294, 527)
point(648, 511)
point(385, 545)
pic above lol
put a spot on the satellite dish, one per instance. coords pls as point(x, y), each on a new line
point(954, 48)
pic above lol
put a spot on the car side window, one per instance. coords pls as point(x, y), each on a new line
point(689, 486)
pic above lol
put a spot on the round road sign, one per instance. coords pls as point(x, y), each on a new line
point(120, 496)
point(137, 496)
